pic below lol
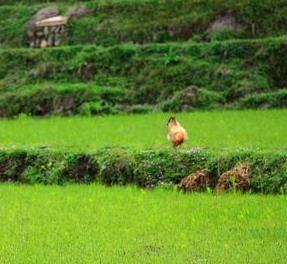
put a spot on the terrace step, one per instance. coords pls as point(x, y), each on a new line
point(221, 74)
point(112, 166)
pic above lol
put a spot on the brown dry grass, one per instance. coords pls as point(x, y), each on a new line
point(197, 181)
point(238, 178)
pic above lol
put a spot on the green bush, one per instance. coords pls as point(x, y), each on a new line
point(12, 165)
point(192, 98)
point(61, 99)
point(45, 169)
point(98, 108)
point(116, 167)
point(80, 168)
point(277, 99)
point(145, 168)
point(139, 109)
point(225, 34)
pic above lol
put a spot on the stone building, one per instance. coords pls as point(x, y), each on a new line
point(49, 32)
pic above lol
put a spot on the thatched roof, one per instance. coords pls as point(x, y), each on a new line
point(52, 21)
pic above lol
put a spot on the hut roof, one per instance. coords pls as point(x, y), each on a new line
point(52, 21)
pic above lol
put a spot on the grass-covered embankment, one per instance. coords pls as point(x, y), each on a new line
point(145, 168)
point(171, 77)
point(94, 224)
point(133, 149)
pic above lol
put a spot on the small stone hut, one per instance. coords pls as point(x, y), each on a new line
point(49, 32)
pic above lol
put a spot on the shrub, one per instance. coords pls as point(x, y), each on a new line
point(44, 168)
point(116, 167)
point(61, 99)
point(98, 108)
point(80, 168)
point(276, 99)
point(225, 34)
point(192, 98)
point(139, 109)
point(12, 165)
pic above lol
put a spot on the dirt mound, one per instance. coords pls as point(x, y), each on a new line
point(197, 181)
point(238, 178)
point(78, 11)
point(227, 21)
point(189, 96)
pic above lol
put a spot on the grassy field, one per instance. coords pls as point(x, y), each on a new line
point(222, 129)
point(94, 224)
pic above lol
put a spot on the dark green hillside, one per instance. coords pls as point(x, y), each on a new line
point(137, 56)
point(164, 75)
point(114, 22)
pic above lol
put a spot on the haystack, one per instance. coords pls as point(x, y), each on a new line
point(197, 181)
point(237, 178)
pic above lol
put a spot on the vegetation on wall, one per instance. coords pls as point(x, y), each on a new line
point(143, 168)
point(222, 74)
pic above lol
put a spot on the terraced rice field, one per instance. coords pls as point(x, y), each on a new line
point(218, 129)
point(95, 224)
